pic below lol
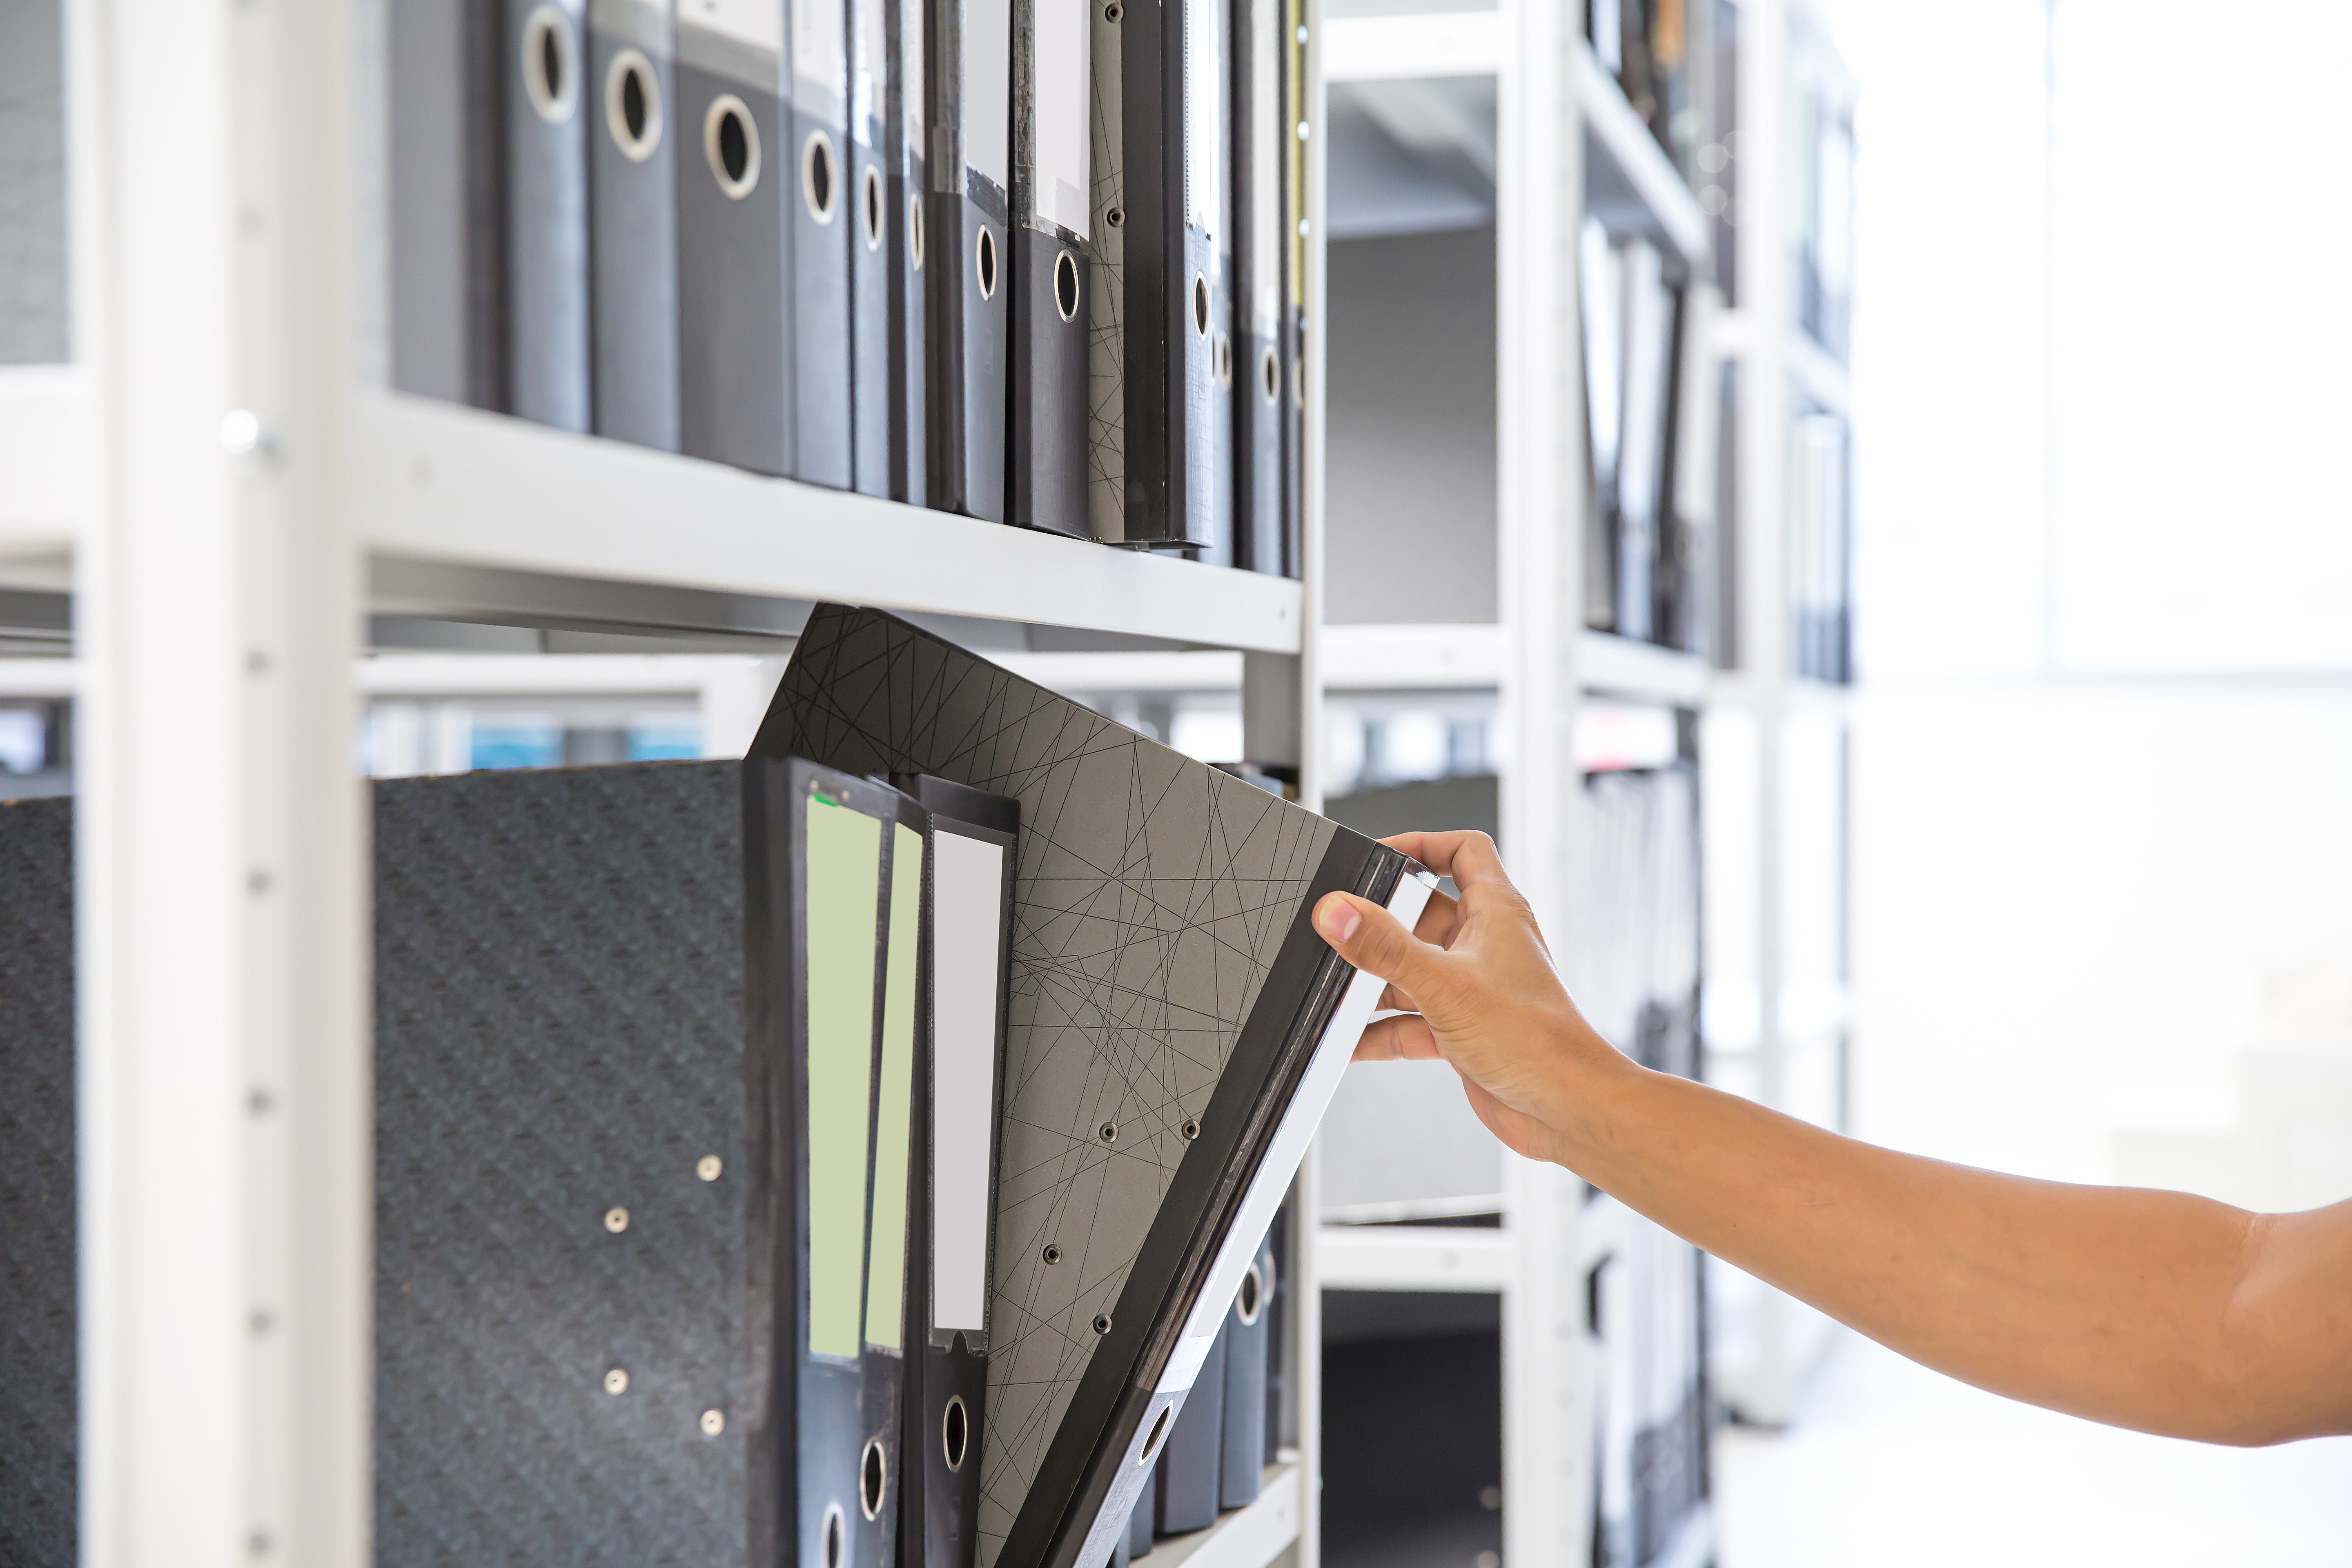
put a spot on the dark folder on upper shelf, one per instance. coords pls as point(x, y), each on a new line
point(907, 154)
point(870, 254)
point(633, 214)
point(1172, 179)
point(1145, 1148)
point(1257, 389)
point(974, 837)
point(738, 389)
point(547, 197)
point(1051, 223)
point(970, 174)
point(820, 234)
point(448, 209)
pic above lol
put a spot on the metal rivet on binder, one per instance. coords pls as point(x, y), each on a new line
point(1053, 1253)
point(1102, 1322)
point(1118, 217)
point(714, 1421)
point(616, 1381)
point(1113, 11)
point(1191, 1129)
point(1108, 1132)
point(616, 1219)
point(708, 1167)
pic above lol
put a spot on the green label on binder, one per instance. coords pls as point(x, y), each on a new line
point(894, 1136)
point(845, 889)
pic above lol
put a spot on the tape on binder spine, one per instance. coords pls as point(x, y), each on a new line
point(633, 214)
point(970, 251)
point(547, 194)
point(821, 232)
point(738, 390)
point(1154, 1182)
point(906, 151)
point(1050, 260)
point(870, 255)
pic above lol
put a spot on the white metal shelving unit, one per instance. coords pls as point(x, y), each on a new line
point(1774, 1031)
point(1566, 141)
point(222, 505)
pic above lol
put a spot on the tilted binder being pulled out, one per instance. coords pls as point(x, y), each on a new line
point(1174, 1033)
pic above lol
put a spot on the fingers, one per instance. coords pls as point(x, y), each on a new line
point(1402, 1038)
point(1468, 857)
point(1371, 938)
point(1440, 918)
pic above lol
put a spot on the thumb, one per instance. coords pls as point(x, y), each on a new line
point(1371, 938)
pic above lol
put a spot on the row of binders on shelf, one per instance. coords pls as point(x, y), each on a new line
point(1035, 261)
point(860, 1154)
point(1637, 975)
point(1648, 542)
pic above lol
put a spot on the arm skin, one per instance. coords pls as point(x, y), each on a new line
point(2156, 1311)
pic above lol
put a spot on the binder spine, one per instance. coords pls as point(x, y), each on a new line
point(822, 232)
point(1211, 70)
point(1051, 89)
point(1292, 323)
point(736, 331)
point(1106, 281)
point(447, 66)
point(633, 210)
point(547, 186)
point(1257, 375)
point(905, 115)
point(970, 180)
point(1241, 1453)
point(1169, 465)
point(870, 254)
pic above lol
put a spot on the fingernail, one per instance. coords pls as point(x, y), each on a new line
point(1340, 920)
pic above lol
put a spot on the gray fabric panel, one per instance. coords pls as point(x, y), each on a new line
point(1151, 895)
point(38, 1428)
point(560, 1030)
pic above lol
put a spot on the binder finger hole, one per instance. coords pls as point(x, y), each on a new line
point(986, 256)
point(1200, 304)
point(547, 74)
point(632, 106)
point(1158, 1435)
point(873, 1475)
point(915, 231)
point(1269, 376)
point(1224, 360)
point(955, 1433)
point(730, 141)
point(817, 177)
point(835, 1528)
point(1065, 286)
point(1250, 1299)
point(870, 204)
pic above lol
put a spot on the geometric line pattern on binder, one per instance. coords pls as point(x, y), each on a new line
point(1151, 895)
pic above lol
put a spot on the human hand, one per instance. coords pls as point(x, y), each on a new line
point(1477, 988)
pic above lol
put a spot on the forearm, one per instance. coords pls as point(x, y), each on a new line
point(2117, 1304)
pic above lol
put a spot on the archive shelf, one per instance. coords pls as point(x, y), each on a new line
point(1628, 180)
point(1248, 1537)
point(1412, 48)
point(1607, 664)
point(1414, 1258)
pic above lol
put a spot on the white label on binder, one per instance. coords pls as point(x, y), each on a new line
point(967, 929)
point(988, 89)
point(1061, 74)
point(867, 82)
point(1203, 115)
point(759, 22)
point(821, 60)
point(912, 83)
